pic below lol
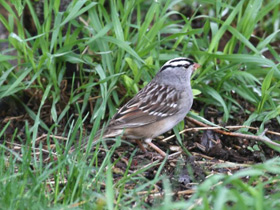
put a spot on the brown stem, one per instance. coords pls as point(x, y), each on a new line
point(241, 135)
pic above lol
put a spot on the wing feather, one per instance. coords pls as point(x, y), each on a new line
point(154, 102)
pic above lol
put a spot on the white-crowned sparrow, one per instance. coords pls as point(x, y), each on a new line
point(158, 107)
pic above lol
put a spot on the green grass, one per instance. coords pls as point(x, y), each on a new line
point(121, 48)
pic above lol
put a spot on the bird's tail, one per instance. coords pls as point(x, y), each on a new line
point(99, 136)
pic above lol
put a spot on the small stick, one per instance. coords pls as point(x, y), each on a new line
point(245, 136)
point(191, 129)
point(230, 127)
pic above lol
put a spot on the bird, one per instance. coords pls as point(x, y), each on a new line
point(156, 108)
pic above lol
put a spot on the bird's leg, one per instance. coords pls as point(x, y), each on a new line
point(158, 150)
point(141, 146)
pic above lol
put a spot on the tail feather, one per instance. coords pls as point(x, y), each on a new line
point(100, 134)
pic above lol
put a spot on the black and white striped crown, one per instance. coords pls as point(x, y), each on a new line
point(177, 62)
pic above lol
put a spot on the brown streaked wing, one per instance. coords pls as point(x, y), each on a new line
point(154, 102)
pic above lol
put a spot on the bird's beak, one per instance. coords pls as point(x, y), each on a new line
point(196, 66)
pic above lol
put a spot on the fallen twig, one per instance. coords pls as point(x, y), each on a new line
point(206, 127)
point(240, 135)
